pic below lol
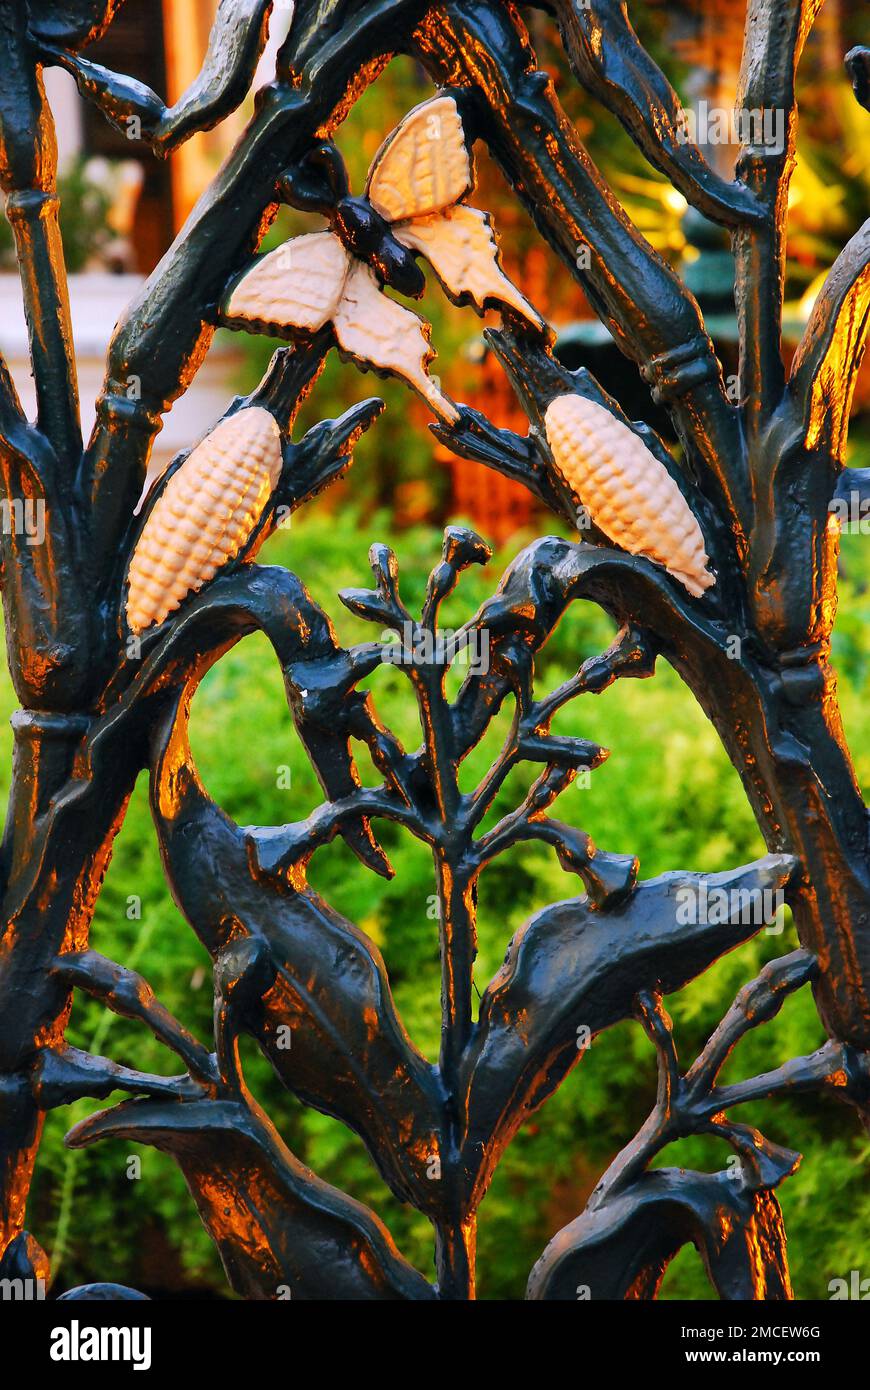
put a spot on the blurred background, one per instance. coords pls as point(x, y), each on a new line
point(667, 794)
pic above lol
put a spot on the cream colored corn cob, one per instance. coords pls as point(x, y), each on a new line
point(206, 513)
point(627, 492)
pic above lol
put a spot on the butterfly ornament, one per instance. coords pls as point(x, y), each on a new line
point(413, 205)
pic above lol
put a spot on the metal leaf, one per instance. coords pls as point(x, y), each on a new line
point(571, 968)
point(328, 1025)
point(622, 1248)
point(277, 1226)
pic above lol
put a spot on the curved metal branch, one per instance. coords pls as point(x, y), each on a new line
point(515, 456)
point(28, 177)
point(631, 654)
point(127, 994)
point(775, 35)
point(610, 61)
point(825, 366)
point(236, 41)
point(692, 1103)
point(281, 849)
point(607, 878)
point(62, 1076)
point(757, 1003)
point(835, 1069)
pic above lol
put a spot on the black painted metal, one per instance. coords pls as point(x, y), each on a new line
point(758, 475)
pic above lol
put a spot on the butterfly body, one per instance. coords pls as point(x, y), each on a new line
point(368, 236)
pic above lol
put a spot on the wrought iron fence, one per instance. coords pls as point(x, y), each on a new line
point(723, 562)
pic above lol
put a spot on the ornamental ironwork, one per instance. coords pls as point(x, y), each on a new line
point(113, 621)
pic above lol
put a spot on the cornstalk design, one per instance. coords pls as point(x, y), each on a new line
point(113, 621)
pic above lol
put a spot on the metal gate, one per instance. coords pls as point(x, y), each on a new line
point(723, 562)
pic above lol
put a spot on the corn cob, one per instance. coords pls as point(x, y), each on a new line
point(626, 490)
point(206, 513)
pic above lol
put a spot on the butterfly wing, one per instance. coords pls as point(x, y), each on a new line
point(377, 331)
point(298, 285)
point(460, 246)
point(423, 166)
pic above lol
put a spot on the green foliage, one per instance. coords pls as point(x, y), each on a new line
point(667, 794)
